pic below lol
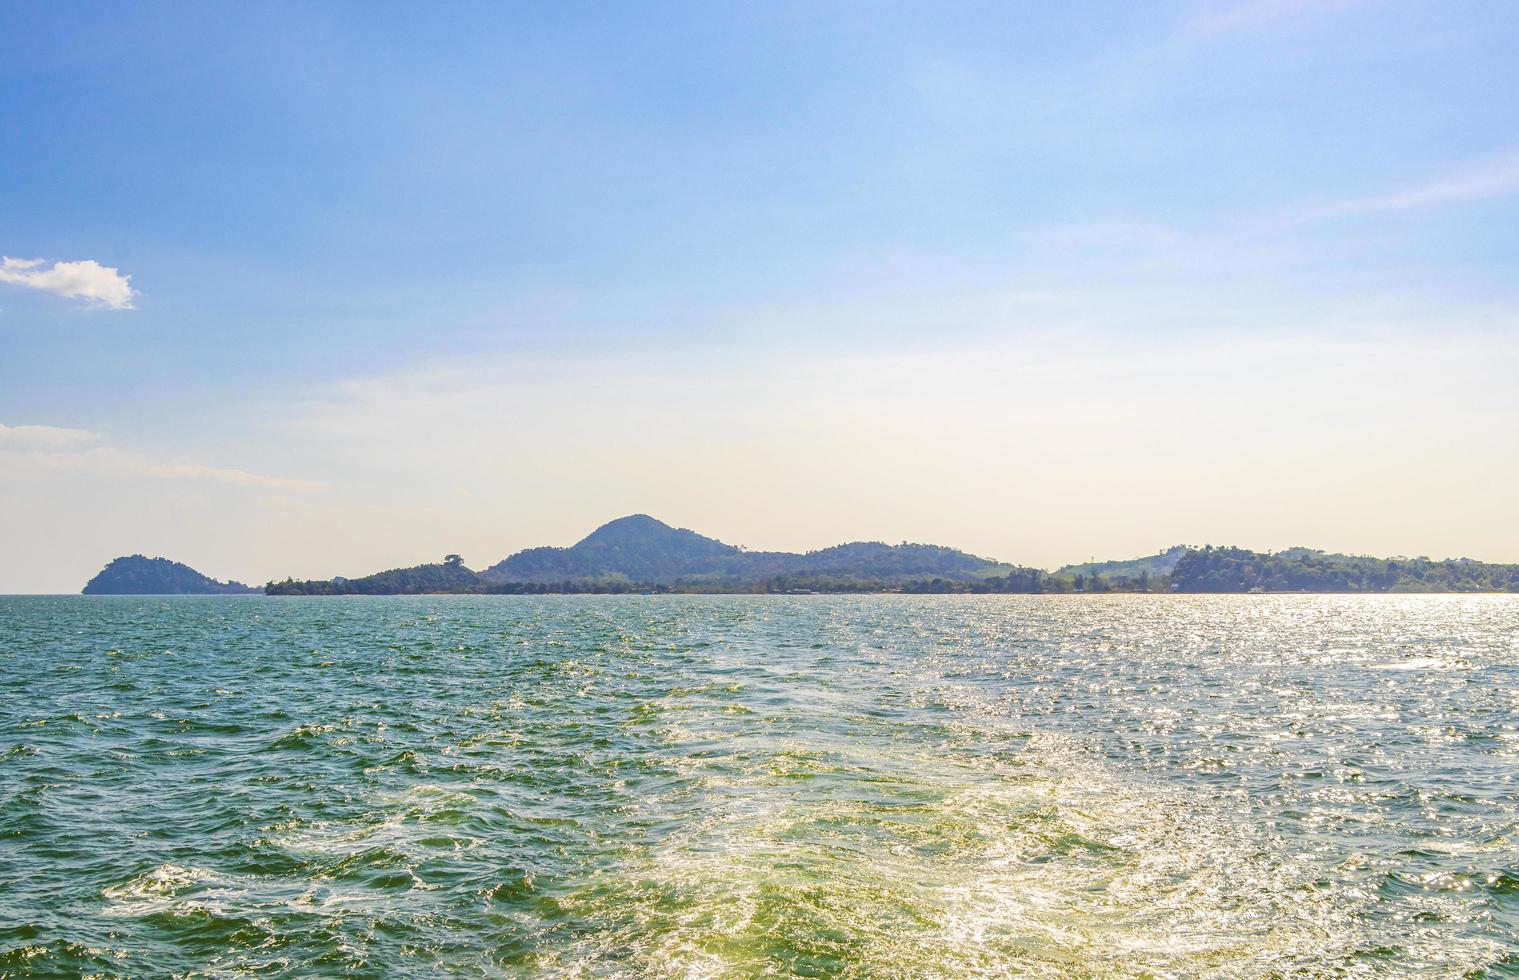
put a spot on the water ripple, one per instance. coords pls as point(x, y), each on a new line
point(709, 786)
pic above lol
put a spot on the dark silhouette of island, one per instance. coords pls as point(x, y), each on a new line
point(641, 554)
point(139, 575)
point(642, 549)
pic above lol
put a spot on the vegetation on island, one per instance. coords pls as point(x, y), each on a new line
point(642, 549)
point(1305, 570)
point(448, 576)
point(641, 554)
point(1151, 566)
point(139, 575)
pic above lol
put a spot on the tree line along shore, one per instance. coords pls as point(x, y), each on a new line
point(639, 554)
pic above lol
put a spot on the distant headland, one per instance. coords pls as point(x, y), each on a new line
point(641, 554)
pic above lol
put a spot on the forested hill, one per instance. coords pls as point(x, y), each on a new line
point(1151, 565)
point(448, 576)
point(138, 575)
point(1305, 570)
point(637, 548)
point(638, 552)
point(642, 549)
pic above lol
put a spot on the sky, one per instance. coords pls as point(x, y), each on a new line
point(314, 289)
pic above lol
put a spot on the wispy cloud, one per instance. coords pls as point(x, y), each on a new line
point(43, 437)
point(1476, 182)
point(54, 448)
point(100, 286)
point(133, 463)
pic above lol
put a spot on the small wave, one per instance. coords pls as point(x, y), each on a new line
point(1423, 663)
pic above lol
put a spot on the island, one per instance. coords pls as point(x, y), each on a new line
point(139, 575)
point(641, 554)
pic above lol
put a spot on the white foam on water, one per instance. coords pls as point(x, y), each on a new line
point(1044, 867)
point(1423, 663)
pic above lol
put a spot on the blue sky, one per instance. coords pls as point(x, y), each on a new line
point(673, 235)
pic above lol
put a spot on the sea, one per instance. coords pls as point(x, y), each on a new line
point(714, 786)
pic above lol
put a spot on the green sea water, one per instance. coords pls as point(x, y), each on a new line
point(732, 786)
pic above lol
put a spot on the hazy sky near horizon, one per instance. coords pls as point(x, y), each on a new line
point(313, 289)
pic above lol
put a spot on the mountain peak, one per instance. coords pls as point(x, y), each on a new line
point(636, 547)
point(631, 527)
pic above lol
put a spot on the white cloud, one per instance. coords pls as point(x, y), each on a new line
point(49, 448)
point(98, 285)
point(43, 436)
